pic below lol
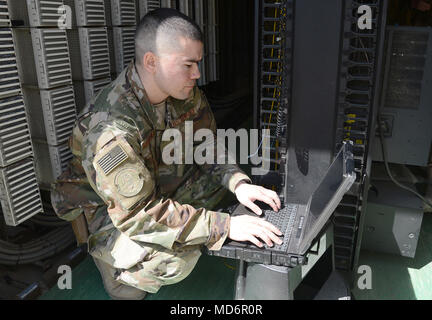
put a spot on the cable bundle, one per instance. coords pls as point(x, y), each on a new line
point(48, 218)
point(38, 249)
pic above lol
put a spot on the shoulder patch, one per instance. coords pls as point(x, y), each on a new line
point(128, 182)
point(112, 159)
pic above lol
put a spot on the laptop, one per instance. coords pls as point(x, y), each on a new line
point(299, 223)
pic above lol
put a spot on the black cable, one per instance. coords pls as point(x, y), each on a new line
point(8, 260)
point(37, 243)
point(13, 254)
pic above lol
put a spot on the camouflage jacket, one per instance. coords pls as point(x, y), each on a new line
point(117, 149)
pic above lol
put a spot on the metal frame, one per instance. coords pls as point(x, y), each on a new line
point(361, 59)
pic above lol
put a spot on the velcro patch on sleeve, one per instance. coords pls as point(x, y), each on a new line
point(121, 175)
point(112, 159)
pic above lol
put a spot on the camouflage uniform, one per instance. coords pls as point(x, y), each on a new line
point(146, 219)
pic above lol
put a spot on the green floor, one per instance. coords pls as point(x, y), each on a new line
point(212, 279)
point(393, 277)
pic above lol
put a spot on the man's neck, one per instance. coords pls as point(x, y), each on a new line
point(154, 94)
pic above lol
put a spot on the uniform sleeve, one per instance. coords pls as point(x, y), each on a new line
point(116, 171)
point(229, 175)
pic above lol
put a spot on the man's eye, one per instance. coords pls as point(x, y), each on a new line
point(188, 65)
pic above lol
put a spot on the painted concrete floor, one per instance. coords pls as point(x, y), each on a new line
point(399, 278)
point(393, 277)
point(212, 279)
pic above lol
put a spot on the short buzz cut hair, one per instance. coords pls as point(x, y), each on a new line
point(166, 21)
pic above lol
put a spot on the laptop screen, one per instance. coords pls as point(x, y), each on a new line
point(323, 194)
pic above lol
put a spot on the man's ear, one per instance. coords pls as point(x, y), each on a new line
point(149, 62)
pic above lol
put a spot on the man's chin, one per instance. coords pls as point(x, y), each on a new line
point(184, 95)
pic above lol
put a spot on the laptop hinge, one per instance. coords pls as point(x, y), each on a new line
point(317, 249)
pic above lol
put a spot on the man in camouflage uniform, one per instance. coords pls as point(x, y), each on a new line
point(148, 220)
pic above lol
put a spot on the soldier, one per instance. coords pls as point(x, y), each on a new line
point(148, 220)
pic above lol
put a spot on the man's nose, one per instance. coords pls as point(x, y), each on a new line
point(195, 73)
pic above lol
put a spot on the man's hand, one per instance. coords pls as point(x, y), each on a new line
point(247, 193)
point(249, 228)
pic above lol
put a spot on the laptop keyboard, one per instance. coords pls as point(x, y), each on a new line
point(284, 220)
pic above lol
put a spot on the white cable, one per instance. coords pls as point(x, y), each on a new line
point(384, 155)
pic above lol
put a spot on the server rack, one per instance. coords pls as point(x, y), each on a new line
point(52, 59)
point(211, 33)
point(359, 84)
point(52, 112)
point(123, 12)
point(186, 7)
point(91, 88)
point(168, 4)
point(309, 120)
point(124, 46)
point(19, 192)
point(9, 80)
point(200, 20)
point(15, 141)
point(123, 17)
point(146, 6)
point(46, 82)
point(272, 80)
point(44, 13)
point(4, 14)
point(90, 13)
point(205, 14)
point(91, 57)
